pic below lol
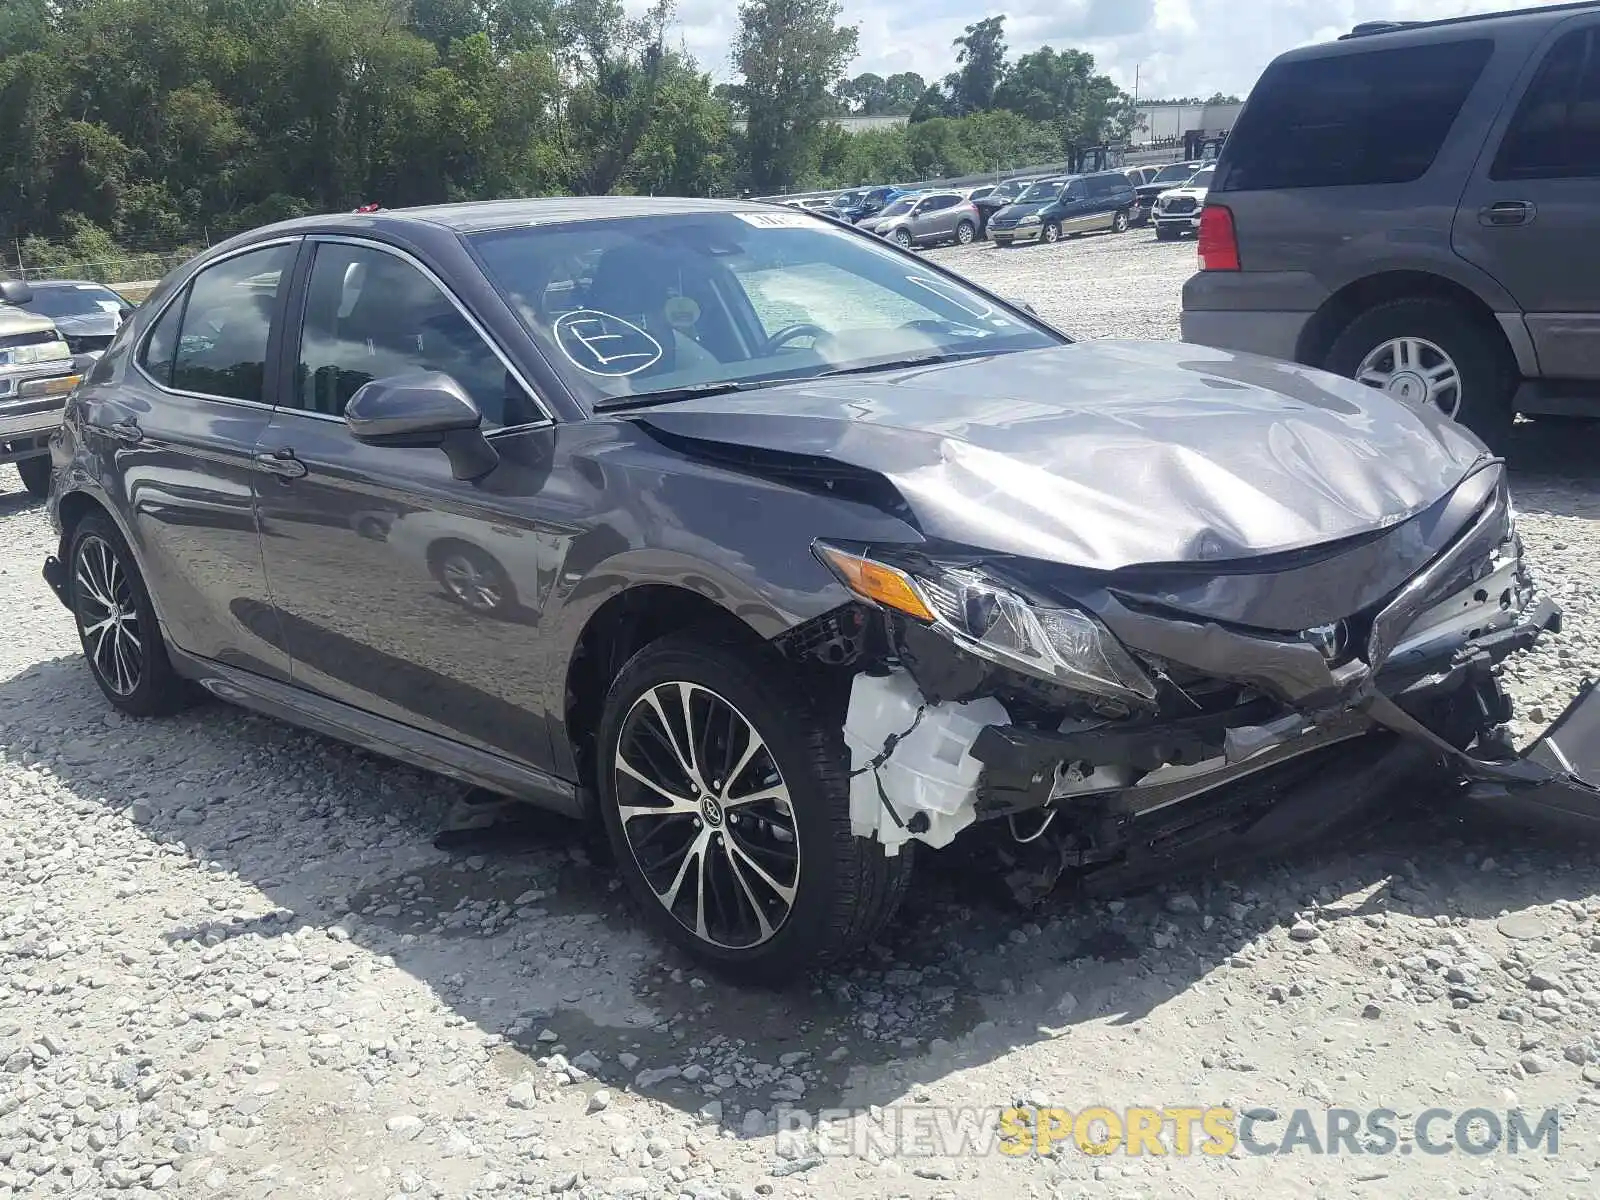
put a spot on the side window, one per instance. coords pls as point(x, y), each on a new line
point(939, 203)
point(222, 344)
point(1352, 119)
point(162, 345)
point(1098, 185)
point(371, 315)
point(1555, 133)
point(1076, 190)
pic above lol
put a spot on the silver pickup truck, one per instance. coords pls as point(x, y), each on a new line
point(37, 371)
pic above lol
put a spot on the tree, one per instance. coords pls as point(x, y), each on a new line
point(1219, 98)
point(981, 53)
point(932, 103)
point(1063, 89)
point(902, 91)
point(789, 54)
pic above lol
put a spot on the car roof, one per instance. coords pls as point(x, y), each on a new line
point(1387, 33)
point(44, 285)
point(482, 215)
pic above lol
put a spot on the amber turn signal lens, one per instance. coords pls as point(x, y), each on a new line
point(875, 582)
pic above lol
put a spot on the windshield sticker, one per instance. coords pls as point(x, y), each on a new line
point(952, 294)
point(600, 343)
point(778, 220)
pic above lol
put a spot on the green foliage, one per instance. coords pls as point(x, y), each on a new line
point(981, 55)
point(157, 121)
point(128, 125)
point(791, 54)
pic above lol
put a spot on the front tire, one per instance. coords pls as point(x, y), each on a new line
point(1428, 351)
point(902, 238)
point(725, 795)
point(1051, 232)
point(117, 624)
point(35, 474)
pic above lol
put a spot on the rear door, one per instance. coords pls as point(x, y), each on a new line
point(401, 590)
point(179, 442)
point(1530, 216)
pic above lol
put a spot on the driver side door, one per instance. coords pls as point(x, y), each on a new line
point(400, 590)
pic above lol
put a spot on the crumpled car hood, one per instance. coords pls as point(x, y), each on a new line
point(1104, 455)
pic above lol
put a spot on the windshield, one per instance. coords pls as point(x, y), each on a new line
point(1203, 179)
point(1040, 191)
point(78, 300)
point(1176, 173)
point(634, 305)
point(899, 208)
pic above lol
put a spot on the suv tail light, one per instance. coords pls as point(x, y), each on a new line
point(1219, 247)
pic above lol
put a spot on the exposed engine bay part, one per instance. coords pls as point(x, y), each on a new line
point(911, 771)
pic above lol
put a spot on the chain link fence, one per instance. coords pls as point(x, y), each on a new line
point(35, 259)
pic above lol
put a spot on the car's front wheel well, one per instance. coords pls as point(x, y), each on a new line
point(1349, 302)
point(618, 630)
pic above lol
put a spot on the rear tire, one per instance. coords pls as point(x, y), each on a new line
point(1487, 374)
point(841, 889)
point(117, 624)
point(1119, 223)
point(35, 474)
point(965, 233)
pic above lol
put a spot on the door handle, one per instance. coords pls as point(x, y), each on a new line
point(281, 463)
point(1507, 212)
point(127, 432)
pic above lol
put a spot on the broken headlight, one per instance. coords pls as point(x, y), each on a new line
point(1060, 645)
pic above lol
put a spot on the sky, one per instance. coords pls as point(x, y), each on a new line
point(1176, 47)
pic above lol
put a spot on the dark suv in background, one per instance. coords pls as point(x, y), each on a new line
point(1054, 208)
point(1417, 206)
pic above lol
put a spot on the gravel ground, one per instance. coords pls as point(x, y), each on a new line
point(233, 964)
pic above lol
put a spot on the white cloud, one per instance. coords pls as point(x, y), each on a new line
point(1178, 47)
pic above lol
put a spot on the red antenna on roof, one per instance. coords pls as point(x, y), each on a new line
point(366, 208)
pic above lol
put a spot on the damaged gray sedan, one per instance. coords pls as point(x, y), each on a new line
point(788, 556)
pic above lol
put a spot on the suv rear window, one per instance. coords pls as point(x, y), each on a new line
point(1352, 119)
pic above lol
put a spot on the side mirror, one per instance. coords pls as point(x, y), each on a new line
point(424, 409)
point(15, 291)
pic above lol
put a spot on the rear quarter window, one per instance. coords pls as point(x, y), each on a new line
point(1350, 120)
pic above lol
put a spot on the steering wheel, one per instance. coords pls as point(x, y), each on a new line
point(790, 332)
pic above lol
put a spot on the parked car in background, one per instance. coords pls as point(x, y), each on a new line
point(1177, 210)
point(1138, 176)
point(1055, 208)
point(1001, 195)
point(37, 372)
point(794, 556)
point(1169, 176)
point(858, 205)
point(810, 202)
point(1417, 206)
point(87, 314)
point(927, 219)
